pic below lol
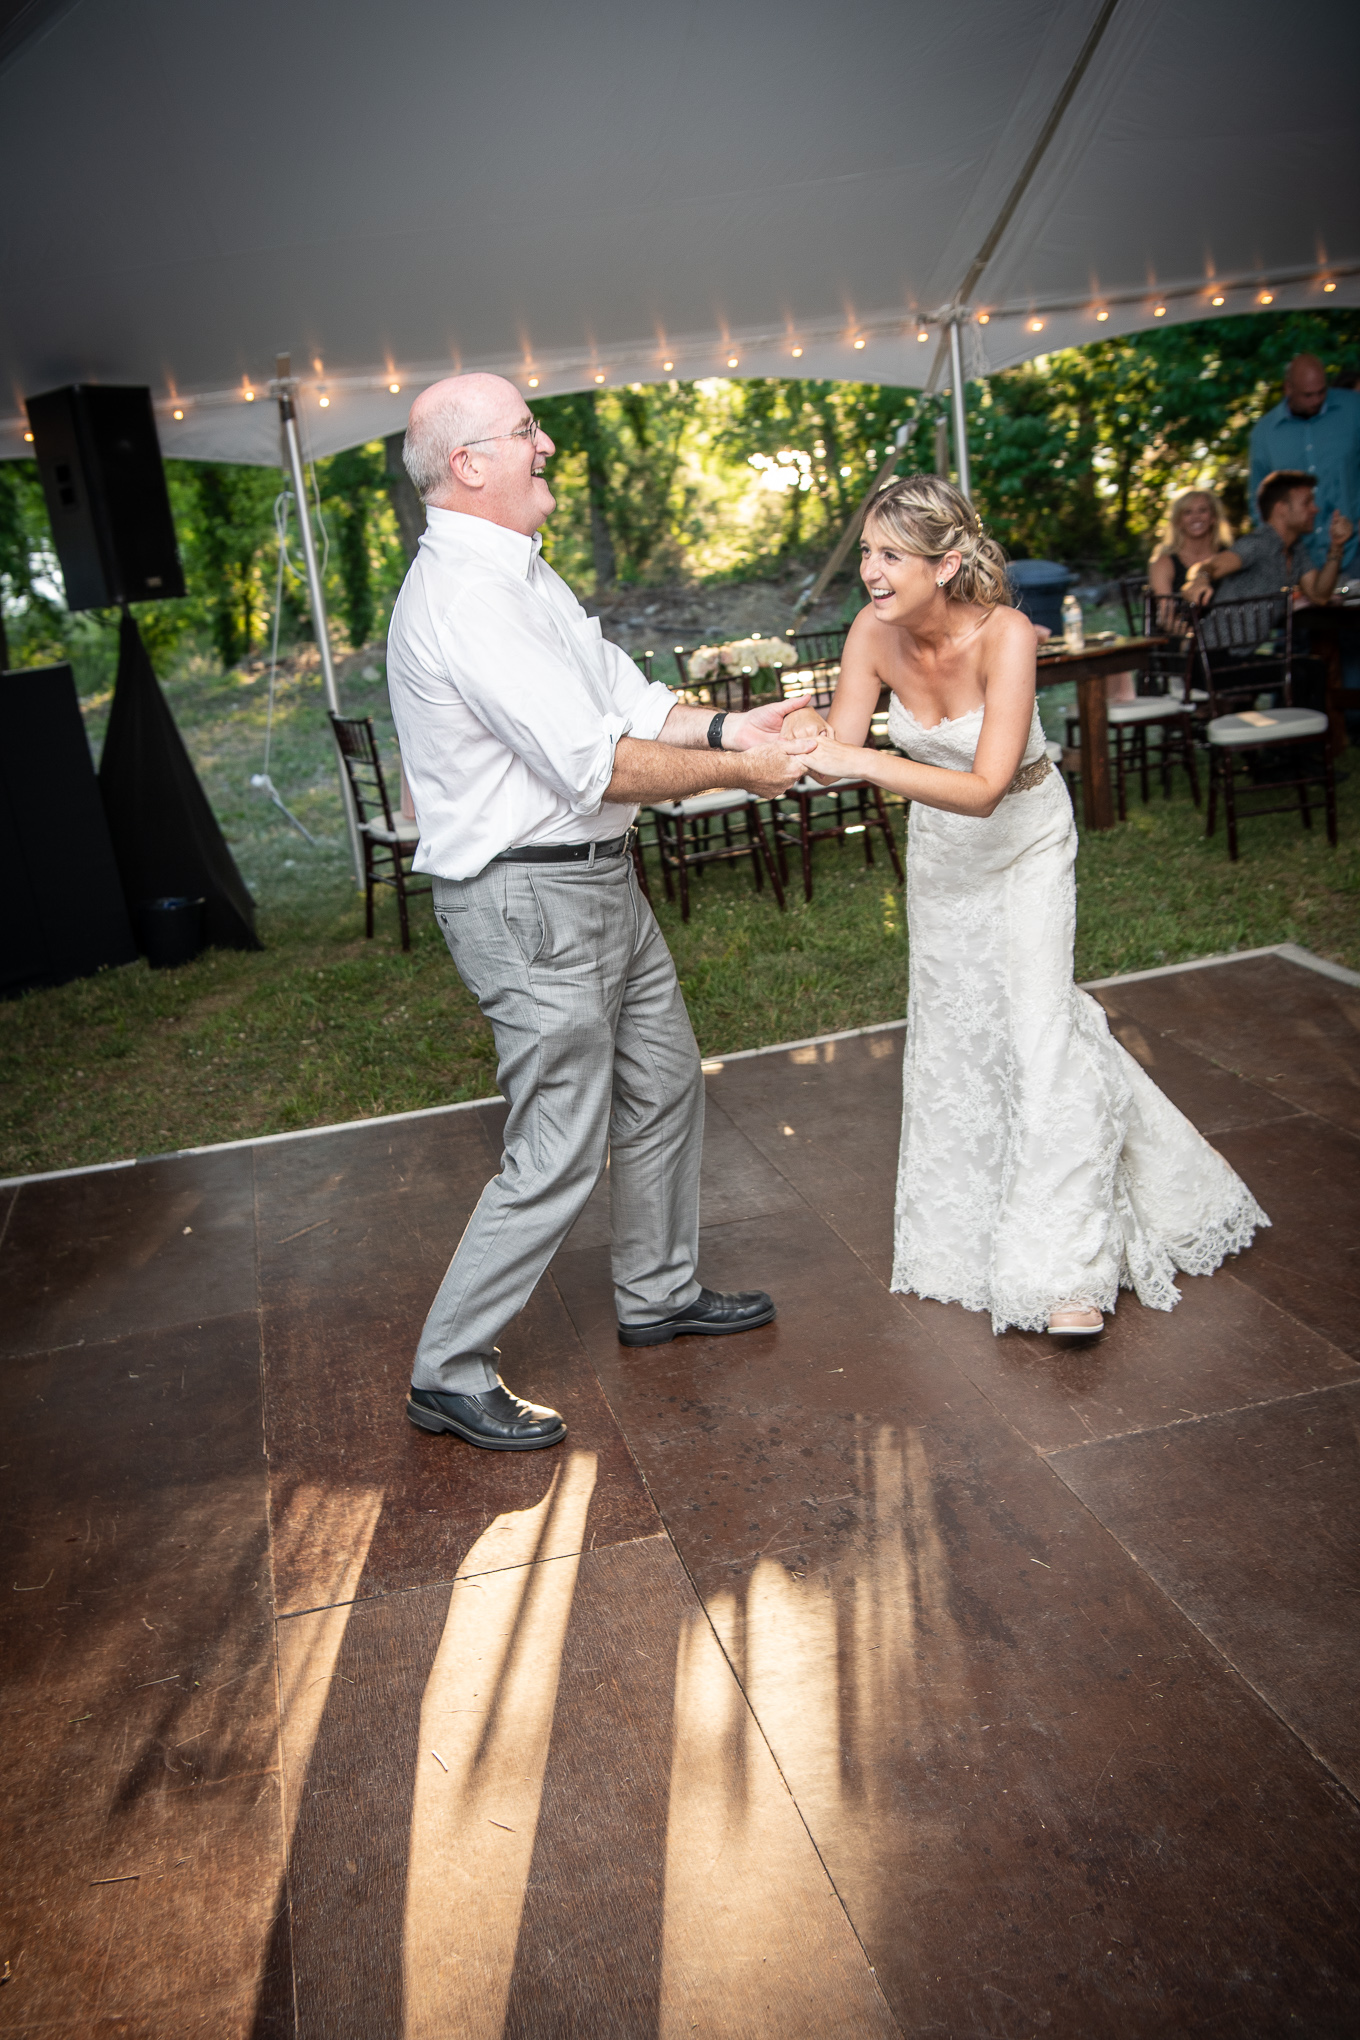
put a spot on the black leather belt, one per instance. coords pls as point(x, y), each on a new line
point(567, 853)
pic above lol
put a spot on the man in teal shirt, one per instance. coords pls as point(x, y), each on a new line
point(1316, 430)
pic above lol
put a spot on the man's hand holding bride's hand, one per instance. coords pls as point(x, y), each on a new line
point(757, 726)
point(771, 768)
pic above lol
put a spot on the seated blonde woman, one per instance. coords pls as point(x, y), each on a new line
point(1196, 528)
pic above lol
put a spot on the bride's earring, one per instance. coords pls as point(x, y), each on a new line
point(940, 582)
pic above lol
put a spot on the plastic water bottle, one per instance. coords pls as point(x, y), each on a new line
point(1074, 631)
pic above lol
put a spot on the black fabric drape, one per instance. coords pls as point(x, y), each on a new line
point(165, 836)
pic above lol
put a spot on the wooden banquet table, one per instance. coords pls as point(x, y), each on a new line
point(1327, 626)
point(1090, 669)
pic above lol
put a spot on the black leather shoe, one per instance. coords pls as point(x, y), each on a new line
point(712, 1315)
point(495, 1418)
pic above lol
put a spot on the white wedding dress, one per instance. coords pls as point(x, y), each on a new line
point(1041, 1168)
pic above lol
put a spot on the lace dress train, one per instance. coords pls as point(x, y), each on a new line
point(1040, 1166)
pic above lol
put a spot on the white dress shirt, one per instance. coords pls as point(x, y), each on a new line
point(507, 700)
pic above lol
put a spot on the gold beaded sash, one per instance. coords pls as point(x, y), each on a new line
point(1031, 775)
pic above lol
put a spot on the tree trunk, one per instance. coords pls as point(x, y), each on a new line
point(410, 511)
point(601, 539)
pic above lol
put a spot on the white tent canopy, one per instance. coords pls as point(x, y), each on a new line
point(621, 193)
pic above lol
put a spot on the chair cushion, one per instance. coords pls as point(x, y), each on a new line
point(816, 785)
point(715, 803)
point(1151, 708)
point(1271, 726)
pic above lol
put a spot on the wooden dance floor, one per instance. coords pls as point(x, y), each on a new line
point(865, 1675)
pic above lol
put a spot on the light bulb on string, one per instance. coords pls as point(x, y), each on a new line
point(1217, 300)
point(1101, 317)
point(533, 382)
point(795, 352)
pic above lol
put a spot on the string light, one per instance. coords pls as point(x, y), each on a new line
point(600, 376)
point(1267, 297)
point(325, 403)
point(859, 343)
point(1217, 300)
point(984, 318)
point(533, 382)
point(732, 360)
point(177, 414)
point(395, 388)
point(1329, 286)
point(1159, 311)
point(922, 335)
point(1036, 325)
point(668, 364)
point(1101, 317)
point(28, 439)
point(795, 352)
point(249, 396)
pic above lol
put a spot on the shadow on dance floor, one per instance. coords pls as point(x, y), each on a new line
point(867, 1675)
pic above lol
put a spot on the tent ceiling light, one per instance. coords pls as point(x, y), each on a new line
point(177, 414)
point(28, 439)
point(1159, 311)
point(859, 343)
point(1036, 325)
point(249, 396)
point(668, 364)
point(984, 318)
point(1329, 286)
point(325, 403)
point(533, 382)
point(1217, 300)
point(732, 360)
point(599, 378)
point(395, 388)
point(1102, 317)
point(1267, 297)
point(923, 335)
point(795, 352)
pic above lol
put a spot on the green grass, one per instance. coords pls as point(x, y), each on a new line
point(324, 1026)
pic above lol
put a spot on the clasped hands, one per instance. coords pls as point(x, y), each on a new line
point(786, 735)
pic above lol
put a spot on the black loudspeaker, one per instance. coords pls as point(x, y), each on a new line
point(62, 913)
point(100, 463)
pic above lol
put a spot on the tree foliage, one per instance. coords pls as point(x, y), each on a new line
point(1074, 455)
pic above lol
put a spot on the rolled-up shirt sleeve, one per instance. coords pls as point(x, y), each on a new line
point(646, 702)
point(523, 684)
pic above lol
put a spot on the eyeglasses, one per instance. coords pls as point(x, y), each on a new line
point(529, 430)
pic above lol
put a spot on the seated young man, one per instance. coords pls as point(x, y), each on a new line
point(1279, 555)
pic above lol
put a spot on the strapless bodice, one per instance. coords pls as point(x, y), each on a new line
point(952, 743)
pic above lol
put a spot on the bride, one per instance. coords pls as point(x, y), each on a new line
point(1041, 1170)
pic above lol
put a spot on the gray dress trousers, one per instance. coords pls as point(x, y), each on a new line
point(596, 1054)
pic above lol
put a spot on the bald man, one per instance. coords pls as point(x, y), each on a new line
point(1314, 431)
point(528, 743)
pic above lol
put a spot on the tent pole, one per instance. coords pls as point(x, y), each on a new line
point(293, 449)
point(960, 411)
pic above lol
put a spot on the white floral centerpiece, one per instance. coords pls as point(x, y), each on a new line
point(742, 655)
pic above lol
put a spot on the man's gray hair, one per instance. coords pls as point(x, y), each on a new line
point(433, 436)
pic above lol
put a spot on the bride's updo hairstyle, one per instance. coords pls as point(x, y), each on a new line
point(923, 515)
